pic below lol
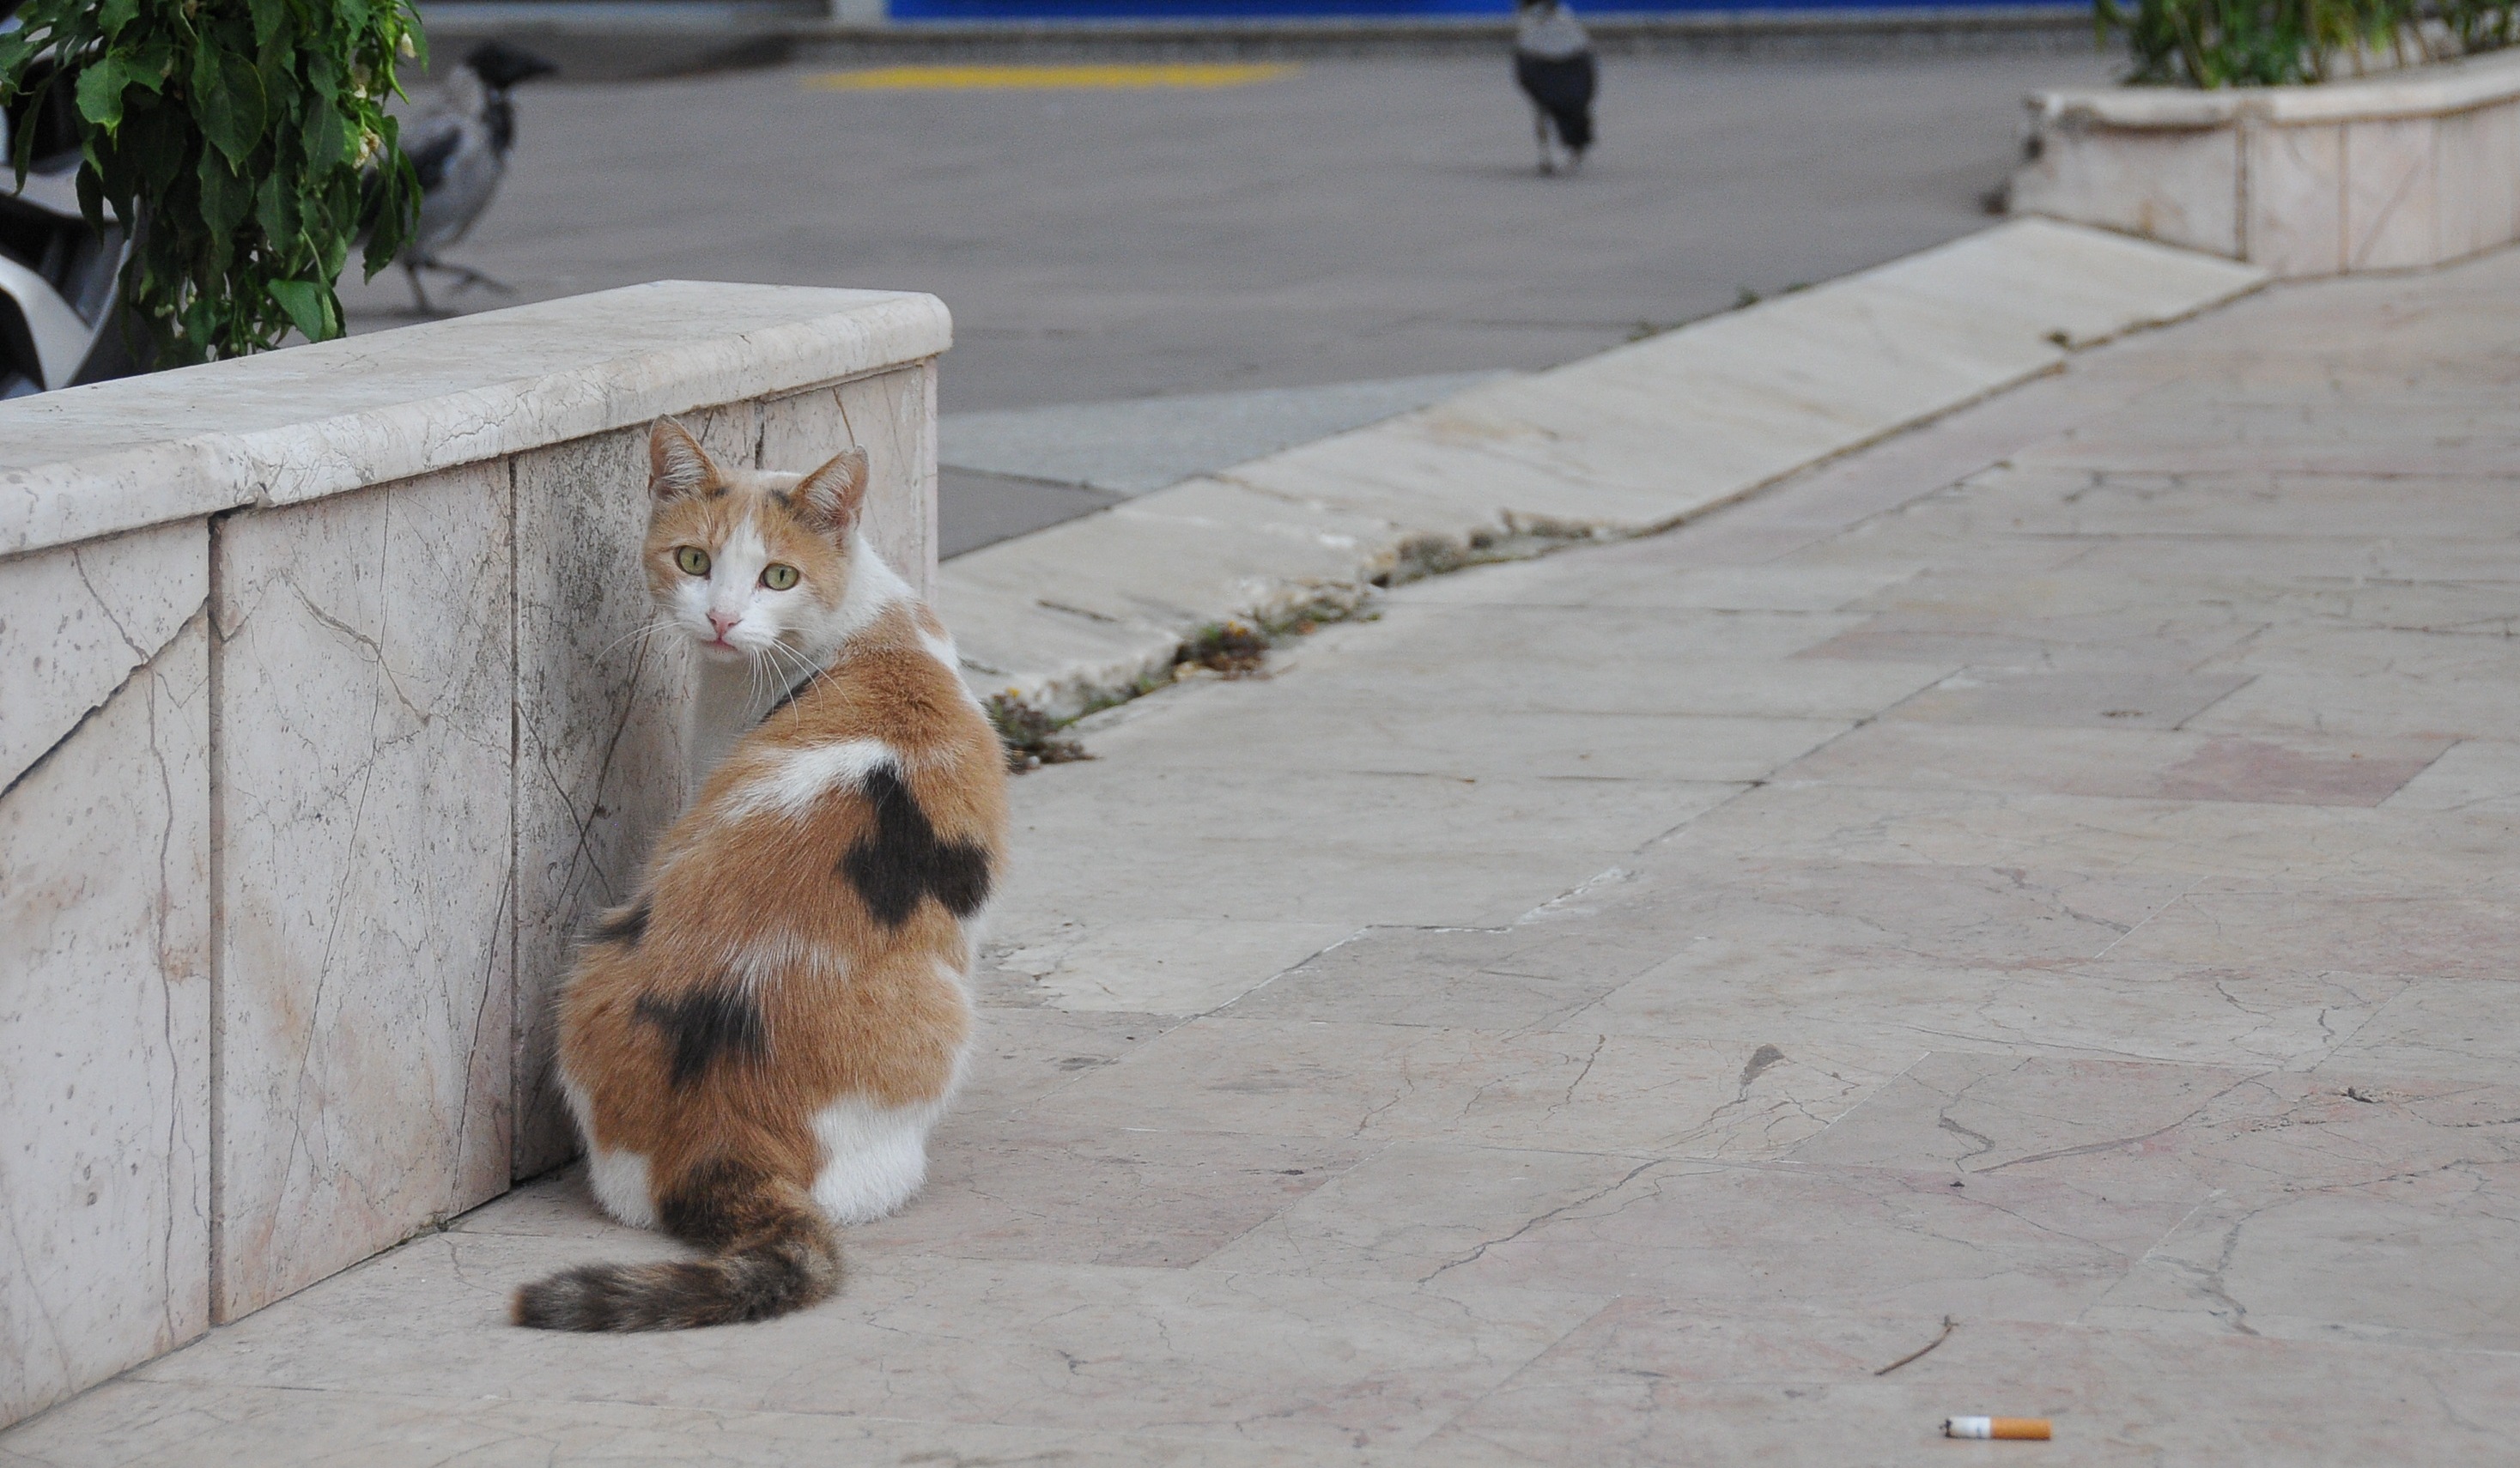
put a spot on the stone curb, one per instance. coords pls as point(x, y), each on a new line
point(1629, 442)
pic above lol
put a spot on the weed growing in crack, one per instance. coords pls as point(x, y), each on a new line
point(1235, 648)
point(1032, 738)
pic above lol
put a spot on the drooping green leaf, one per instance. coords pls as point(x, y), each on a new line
point(226, 200)
point(309, 306)
point(227, 101)
point(270, 19)
point(101, 86)
point(113, 14)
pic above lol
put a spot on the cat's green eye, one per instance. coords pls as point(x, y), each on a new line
point(779, 576)
point(693, 559)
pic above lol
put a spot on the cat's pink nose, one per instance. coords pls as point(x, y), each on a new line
point(724, 622)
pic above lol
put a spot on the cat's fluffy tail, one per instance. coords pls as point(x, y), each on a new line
point(770, 1252)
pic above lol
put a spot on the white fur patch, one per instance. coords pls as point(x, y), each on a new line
point(621, 1186)
point(617, 1177)
point(798, 778)
point(874, 1157)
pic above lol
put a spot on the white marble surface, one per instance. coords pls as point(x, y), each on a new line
point(320, 419)
point(364, 799)
point(105, 1043)
point(2180, 188)
point(2407, 169)
point(2389, 190)
point(75, 621)
point(2296, 212)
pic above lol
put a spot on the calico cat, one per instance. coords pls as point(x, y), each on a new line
point(757, 1045)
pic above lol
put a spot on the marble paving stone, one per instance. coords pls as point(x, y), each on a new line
point(1165, 965)
point(1393, 812)
point(1348, 884)
point(2376, 573)
point(1655, 1095)
point(2225, 922)
point(1662, 1381)
point(146, 1426)
point(2274, 506)
point(1654, 583)
point(363, 740)
point(2377, 704)
point(2373, 850)
point(1833, 689)
point(2132, 763)
point(1130, 1195)
point(77, 620)
point(2097, 645)
point(1430, 976)
point(105, 1042)
point(892, 416)
point(2446, 654)
point(2437, 1029)
point(2250, 1017)
point(1371, 740)
point(1649, 636)
point(1304, 1367)
point(2105, 700)
point(1416, 1210)
point(2360, 1223)
point(1910, 909)
point(1743, 1237)
point(2109, 1123)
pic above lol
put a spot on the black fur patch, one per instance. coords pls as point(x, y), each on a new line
point(627, 926)
point(703, 1025)
point(901, 860)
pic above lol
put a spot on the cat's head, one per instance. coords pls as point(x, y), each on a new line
point(747, 563)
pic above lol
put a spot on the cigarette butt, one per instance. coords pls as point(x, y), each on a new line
point(2018, 1429)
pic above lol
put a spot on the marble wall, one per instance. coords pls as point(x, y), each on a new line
point(105, 1033)
point(301, 806)
point(2304, 181)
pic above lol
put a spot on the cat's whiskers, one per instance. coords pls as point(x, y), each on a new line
point(639, 633)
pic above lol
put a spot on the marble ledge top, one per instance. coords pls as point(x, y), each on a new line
point(2415, 92)
point(312, 421)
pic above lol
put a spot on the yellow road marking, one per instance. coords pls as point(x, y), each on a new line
point(1104, 77)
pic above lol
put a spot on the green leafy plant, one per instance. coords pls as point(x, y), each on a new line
point(2244, 43)
point(243, 145)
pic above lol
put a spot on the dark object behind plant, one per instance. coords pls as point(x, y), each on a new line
point(458, 149)
point(237, 130)
point(2244, 43)
point(60, 320)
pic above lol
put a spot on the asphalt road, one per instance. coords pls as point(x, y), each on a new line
point(1352, 220)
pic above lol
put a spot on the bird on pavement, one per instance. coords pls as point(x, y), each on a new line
point(1552, 60)
point(459, 146)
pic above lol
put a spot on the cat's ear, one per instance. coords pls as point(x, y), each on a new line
point(831, 497)
point(677, 464)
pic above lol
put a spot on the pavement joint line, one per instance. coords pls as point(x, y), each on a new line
point(1632, 441)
